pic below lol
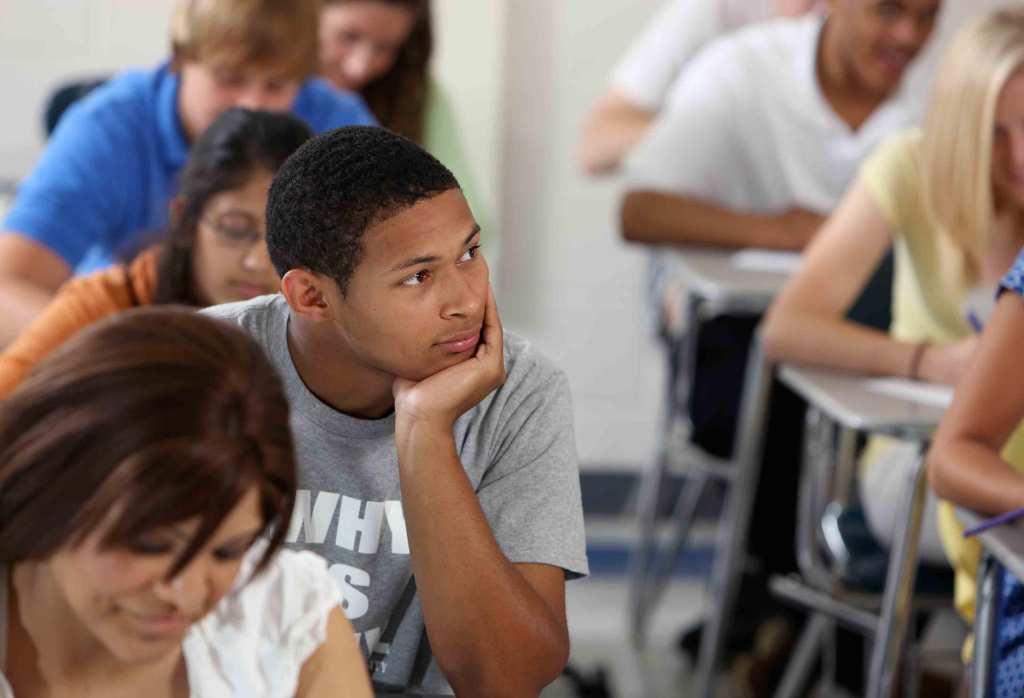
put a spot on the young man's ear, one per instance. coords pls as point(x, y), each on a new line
point(305, 293)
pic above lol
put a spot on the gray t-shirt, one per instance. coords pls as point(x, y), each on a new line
point(517, 448)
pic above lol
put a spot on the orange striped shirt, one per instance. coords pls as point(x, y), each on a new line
point(79, 303)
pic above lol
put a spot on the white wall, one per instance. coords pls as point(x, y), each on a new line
point(469, 55)
point(566, 280)
point(46, 42)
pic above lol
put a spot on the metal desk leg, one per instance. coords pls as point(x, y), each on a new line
point(899, 588)
point(985, 610)
point(678, 370)
point(815, 474)
point(730, 548)
point(801, 664)
point(684, 513)
point(648, 500)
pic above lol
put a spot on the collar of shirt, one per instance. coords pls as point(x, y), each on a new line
point(806, 57)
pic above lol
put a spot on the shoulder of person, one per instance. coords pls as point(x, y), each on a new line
point(897, 156)
point(781, 34)
point(125, 97)
point(523, 359)
point(744, 62)
point(293, 588)
point(251, 314)
point(324, 106)
point(266, 627)
point(532, 378)
point(904, 145)
point(748, 50)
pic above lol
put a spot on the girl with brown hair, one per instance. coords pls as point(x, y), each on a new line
point(147, 480)
point(381, 49)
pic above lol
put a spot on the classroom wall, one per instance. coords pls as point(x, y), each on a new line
point(44, 42)
point(566, 280)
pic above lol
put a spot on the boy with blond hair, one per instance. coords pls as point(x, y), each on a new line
point(110, 170)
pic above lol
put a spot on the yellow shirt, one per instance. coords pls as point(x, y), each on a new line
point(927, 304)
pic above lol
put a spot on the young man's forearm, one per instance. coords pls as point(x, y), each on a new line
point(491, 632)
point(661, 218)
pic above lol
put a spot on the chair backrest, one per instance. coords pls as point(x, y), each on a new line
point(64, 96)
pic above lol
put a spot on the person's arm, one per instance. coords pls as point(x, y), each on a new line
point(641, 81)
point(336, 669)
point(654, 217)
point(614, 126)
point(85, 192)
point(680, 179)
point(495, 628)
point(79, 303)
point(964, 465)
point(30, 274)
point(806, 322)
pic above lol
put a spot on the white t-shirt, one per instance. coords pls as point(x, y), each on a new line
point(256, 640)
point(747, 125)
point(677, 32)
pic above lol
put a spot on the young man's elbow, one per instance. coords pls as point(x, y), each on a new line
point(502, 675)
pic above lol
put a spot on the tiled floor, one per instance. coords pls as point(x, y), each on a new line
point(599, 627)
point(597, 608)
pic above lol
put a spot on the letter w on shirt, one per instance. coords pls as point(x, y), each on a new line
point(359, 524)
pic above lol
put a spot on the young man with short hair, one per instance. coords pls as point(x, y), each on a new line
point(437, 462)
point(110, 169)
point(765, 128)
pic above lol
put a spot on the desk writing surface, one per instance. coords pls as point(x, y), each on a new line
point(714, 274)
point(848, 399)
point(1006, 542)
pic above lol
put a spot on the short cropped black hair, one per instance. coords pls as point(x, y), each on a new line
point(338, 185)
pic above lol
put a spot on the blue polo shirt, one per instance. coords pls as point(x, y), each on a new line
point(111, 167)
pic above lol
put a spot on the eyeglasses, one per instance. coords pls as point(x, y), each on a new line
point(233, 235)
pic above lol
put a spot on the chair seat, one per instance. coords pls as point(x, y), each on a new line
point(863, 563)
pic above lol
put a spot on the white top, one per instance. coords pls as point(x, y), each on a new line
point(748, 126)
point(677, 32)
point(256, 640)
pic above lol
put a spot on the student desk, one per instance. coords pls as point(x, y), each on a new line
point(714, 285)
point(1004, 545)
point(839, 406)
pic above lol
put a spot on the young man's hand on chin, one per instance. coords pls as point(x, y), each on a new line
point(437, 401)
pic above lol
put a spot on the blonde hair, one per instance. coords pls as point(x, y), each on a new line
point(239, 32)
point(956, 155)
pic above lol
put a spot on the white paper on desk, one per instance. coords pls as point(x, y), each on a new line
point(930, 394)
point(771, 261)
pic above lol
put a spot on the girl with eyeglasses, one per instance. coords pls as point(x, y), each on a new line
point(214, 253)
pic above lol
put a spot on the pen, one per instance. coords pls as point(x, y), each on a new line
point(973, 320)
point(1006, 518)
